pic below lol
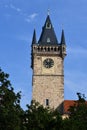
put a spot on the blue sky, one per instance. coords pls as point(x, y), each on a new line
point(18, 18)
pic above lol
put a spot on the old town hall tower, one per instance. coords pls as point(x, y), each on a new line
point(48, 67)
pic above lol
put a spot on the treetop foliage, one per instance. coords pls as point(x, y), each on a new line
point(36, 117)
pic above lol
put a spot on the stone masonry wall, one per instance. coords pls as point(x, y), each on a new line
point(48, 83)
point(48, 87)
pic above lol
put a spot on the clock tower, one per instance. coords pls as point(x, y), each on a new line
point(47, 63)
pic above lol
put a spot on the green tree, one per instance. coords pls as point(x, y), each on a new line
point(78, 113)
point(40, 118)
point(66, 124)
point(10, 110)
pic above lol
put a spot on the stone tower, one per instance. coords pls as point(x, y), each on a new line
point(48, 68)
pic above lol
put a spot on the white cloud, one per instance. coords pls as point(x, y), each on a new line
point(18, 9)
point(12, 6)
point(28, 18)
point(31, 17)
point(15, 8)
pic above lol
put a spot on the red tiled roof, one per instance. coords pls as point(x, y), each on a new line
point(67, 104)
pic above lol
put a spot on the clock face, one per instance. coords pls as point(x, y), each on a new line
point(48, 63)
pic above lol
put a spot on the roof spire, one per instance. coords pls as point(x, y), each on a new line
point(34, 37)
point(63, 38)
point(48, 12)
point(48, 36)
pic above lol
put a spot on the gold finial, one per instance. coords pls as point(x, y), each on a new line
point(48, 12)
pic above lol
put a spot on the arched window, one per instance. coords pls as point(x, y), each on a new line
point(47, 102)
point(52, 48)
point(48, 40)
point(55, 49)
point(48, 25)
point(63, 48)
point(41, 48)
point(48, 48)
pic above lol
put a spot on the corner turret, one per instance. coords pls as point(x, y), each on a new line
point(33, 43)
point(63, 38)
point(63, 45)
point(34, 38)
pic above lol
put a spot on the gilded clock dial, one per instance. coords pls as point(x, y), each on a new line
point(48, 63)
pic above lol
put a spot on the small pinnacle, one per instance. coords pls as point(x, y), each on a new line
point(62, 25)
point(48, 12)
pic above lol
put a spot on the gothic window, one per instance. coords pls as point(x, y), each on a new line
point(44, 49)
point(63, 49)
point(48, 25)
point(48, 40)
point(41, 48)
point(58, 48)
point(47, 102)
point(55, 49)
point(38, 49)
point(52, 48)
point(48, 49)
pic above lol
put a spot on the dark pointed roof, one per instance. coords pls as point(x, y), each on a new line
point(48, 36)
point(34, 37)
point(63, 38)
